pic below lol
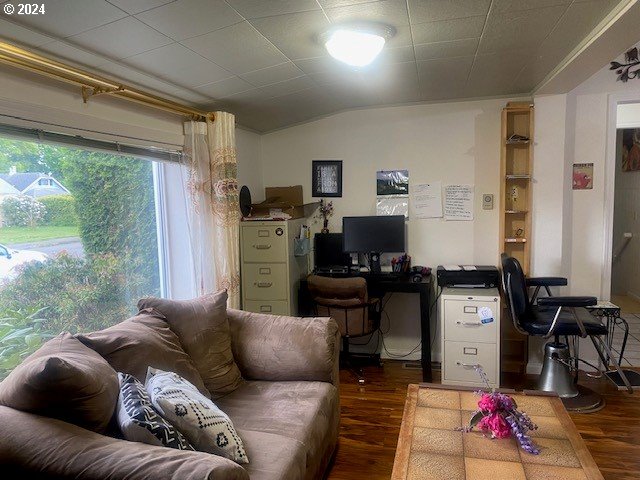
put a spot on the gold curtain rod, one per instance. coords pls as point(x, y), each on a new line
point(90, 83)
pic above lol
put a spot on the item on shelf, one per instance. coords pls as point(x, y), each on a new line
point(326, 211)
point(401, 264)
point(482, 276)
point(515, 138)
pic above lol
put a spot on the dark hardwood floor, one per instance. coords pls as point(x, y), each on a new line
point(371, 417)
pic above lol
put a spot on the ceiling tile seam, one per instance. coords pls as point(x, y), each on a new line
point(413, 49)
point(258, 87)
point(100, 26)
point(144, 11)
point(538, 49)
point(450, 19)
point(446, 41)
point(323, 12)
point(475, 55)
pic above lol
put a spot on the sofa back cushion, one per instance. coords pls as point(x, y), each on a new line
point(66, 380)
point(142, 341)
point(203, 328)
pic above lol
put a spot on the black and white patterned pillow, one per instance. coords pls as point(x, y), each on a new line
point(207, 427)
point(140, 422)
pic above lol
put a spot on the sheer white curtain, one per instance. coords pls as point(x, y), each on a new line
point(213, 213)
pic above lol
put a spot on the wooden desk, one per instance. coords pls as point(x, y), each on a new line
point(378, 285)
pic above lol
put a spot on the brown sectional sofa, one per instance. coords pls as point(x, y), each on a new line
point(286, 410)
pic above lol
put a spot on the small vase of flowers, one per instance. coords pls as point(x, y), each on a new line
point(326, 211)
point(498, 416)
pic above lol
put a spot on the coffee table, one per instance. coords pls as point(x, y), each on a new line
point(429, 447)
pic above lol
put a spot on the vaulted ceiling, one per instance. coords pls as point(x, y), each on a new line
point(261, 60)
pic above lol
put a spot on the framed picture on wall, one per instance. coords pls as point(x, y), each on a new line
point(326, 178)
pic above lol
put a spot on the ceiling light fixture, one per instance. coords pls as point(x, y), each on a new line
point(356, 44)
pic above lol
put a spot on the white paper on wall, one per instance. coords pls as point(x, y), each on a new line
point(458, 202)
point(426, 200)
point(392, 205)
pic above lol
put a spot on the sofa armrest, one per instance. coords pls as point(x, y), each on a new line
point(36, 447)
point(280, 348)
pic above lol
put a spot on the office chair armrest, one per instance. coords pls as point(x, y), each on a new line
point(546, 282)
point(567, 301)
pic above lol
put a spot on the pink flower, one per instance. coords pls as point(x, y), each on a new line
point(488, 403)
point(495, 424)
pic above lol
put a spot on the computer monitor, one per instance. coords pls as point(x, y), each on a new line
point(374, 235)
point(329, 252)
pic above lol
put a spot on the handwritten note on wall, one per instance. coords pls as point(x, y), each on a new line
point(458, 202)
point(426, 200)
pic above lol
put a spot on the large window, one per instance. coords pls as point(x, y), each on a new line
point(72, 262)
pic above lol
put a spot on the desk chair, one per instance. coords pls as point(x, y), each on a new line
point(346, 300)
point(557, 317)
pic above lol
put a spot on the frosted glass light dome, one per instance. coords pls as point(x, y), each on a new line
point(358, 45)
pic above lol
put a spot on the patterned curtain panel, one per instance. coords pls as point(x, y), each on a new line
point(224, 200)
point(200, 211)
point(214, 215)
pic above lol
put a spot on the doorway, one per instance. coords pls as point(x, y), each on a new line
point(625, 242)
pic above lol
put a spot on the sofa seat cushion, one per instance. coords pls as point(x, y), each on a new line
point(273, 457)
point(142, 341)
point(304, 411)
point(64, 379)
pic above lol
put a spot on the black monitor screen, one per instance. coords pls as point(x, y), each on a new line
point(373, 234)
point(329, 251)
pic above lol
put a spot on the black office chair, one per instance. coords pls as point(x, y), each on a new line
point(557, 317)
point(346, 301)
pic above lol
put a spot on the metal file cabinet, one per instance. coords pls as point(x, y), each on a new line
point(269, 270)
point(469, 338)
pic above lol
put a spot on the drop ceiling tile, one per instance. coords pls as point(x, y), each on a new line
point(67, 52)
point(238, 48)
point(495, 74)
point(501, 6)
point(317, 64)
point(537, 68)
point(421, 11)
point(122, 38)
point(396, 55)
point(519, 30)
point(22, 35)
point(576, 23)
point(446, 30)
point(443, 77)
point(259, 8)
point(454, 48)
point(295, 34)
point(342, 3)
point(393, 12)
point(136, 6)
point(401, 38)
point(63, 18)
point(249, 98)
point(134, 77)
point(288, 86)
point(189, 18)
point(179, 65)
point(224, 88)
point(190, 97)
point(269, 75)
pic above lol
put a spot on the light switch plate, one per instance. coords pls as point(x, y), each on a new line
point(487, 201)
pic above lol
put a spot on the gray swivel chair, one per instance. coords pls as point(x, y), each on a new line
point(557, 317)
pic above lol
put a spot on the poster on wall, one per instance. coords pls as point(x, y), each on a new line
point(392, 188)
point(583, 176)
point(326, 178)
point(630, 155)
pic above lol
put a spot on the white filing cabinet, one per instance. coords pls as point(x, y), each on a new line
point(467, 339)
point(269, 271)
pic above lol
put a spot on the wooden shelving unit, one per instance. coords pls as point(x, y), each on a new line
point(515, 215)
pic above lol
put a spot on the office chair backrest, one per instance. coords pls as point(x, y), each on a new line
point(515, 287)
point(345, 300)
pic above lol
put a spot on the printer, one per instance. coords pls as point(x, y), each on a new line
point(468, 276)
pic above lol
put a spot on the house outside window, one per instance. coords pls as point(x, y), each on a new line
point(45, 182)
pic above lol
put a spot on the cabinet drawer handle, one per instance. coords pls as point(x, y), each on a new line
point(468, 365)
point(265, 308)
point(471, 309)
point(263, 284)
point(264, 246)
point(264, 271)
point(470, 324)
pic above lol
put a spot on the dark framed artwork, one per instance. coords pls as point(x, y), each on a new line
point(326, 178)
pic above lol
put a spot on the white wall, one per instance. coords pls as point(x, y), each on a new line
point(248, 145)
point(453, 142)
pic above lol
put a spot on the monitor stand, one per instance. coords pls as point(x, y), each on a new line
point(374, 262)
